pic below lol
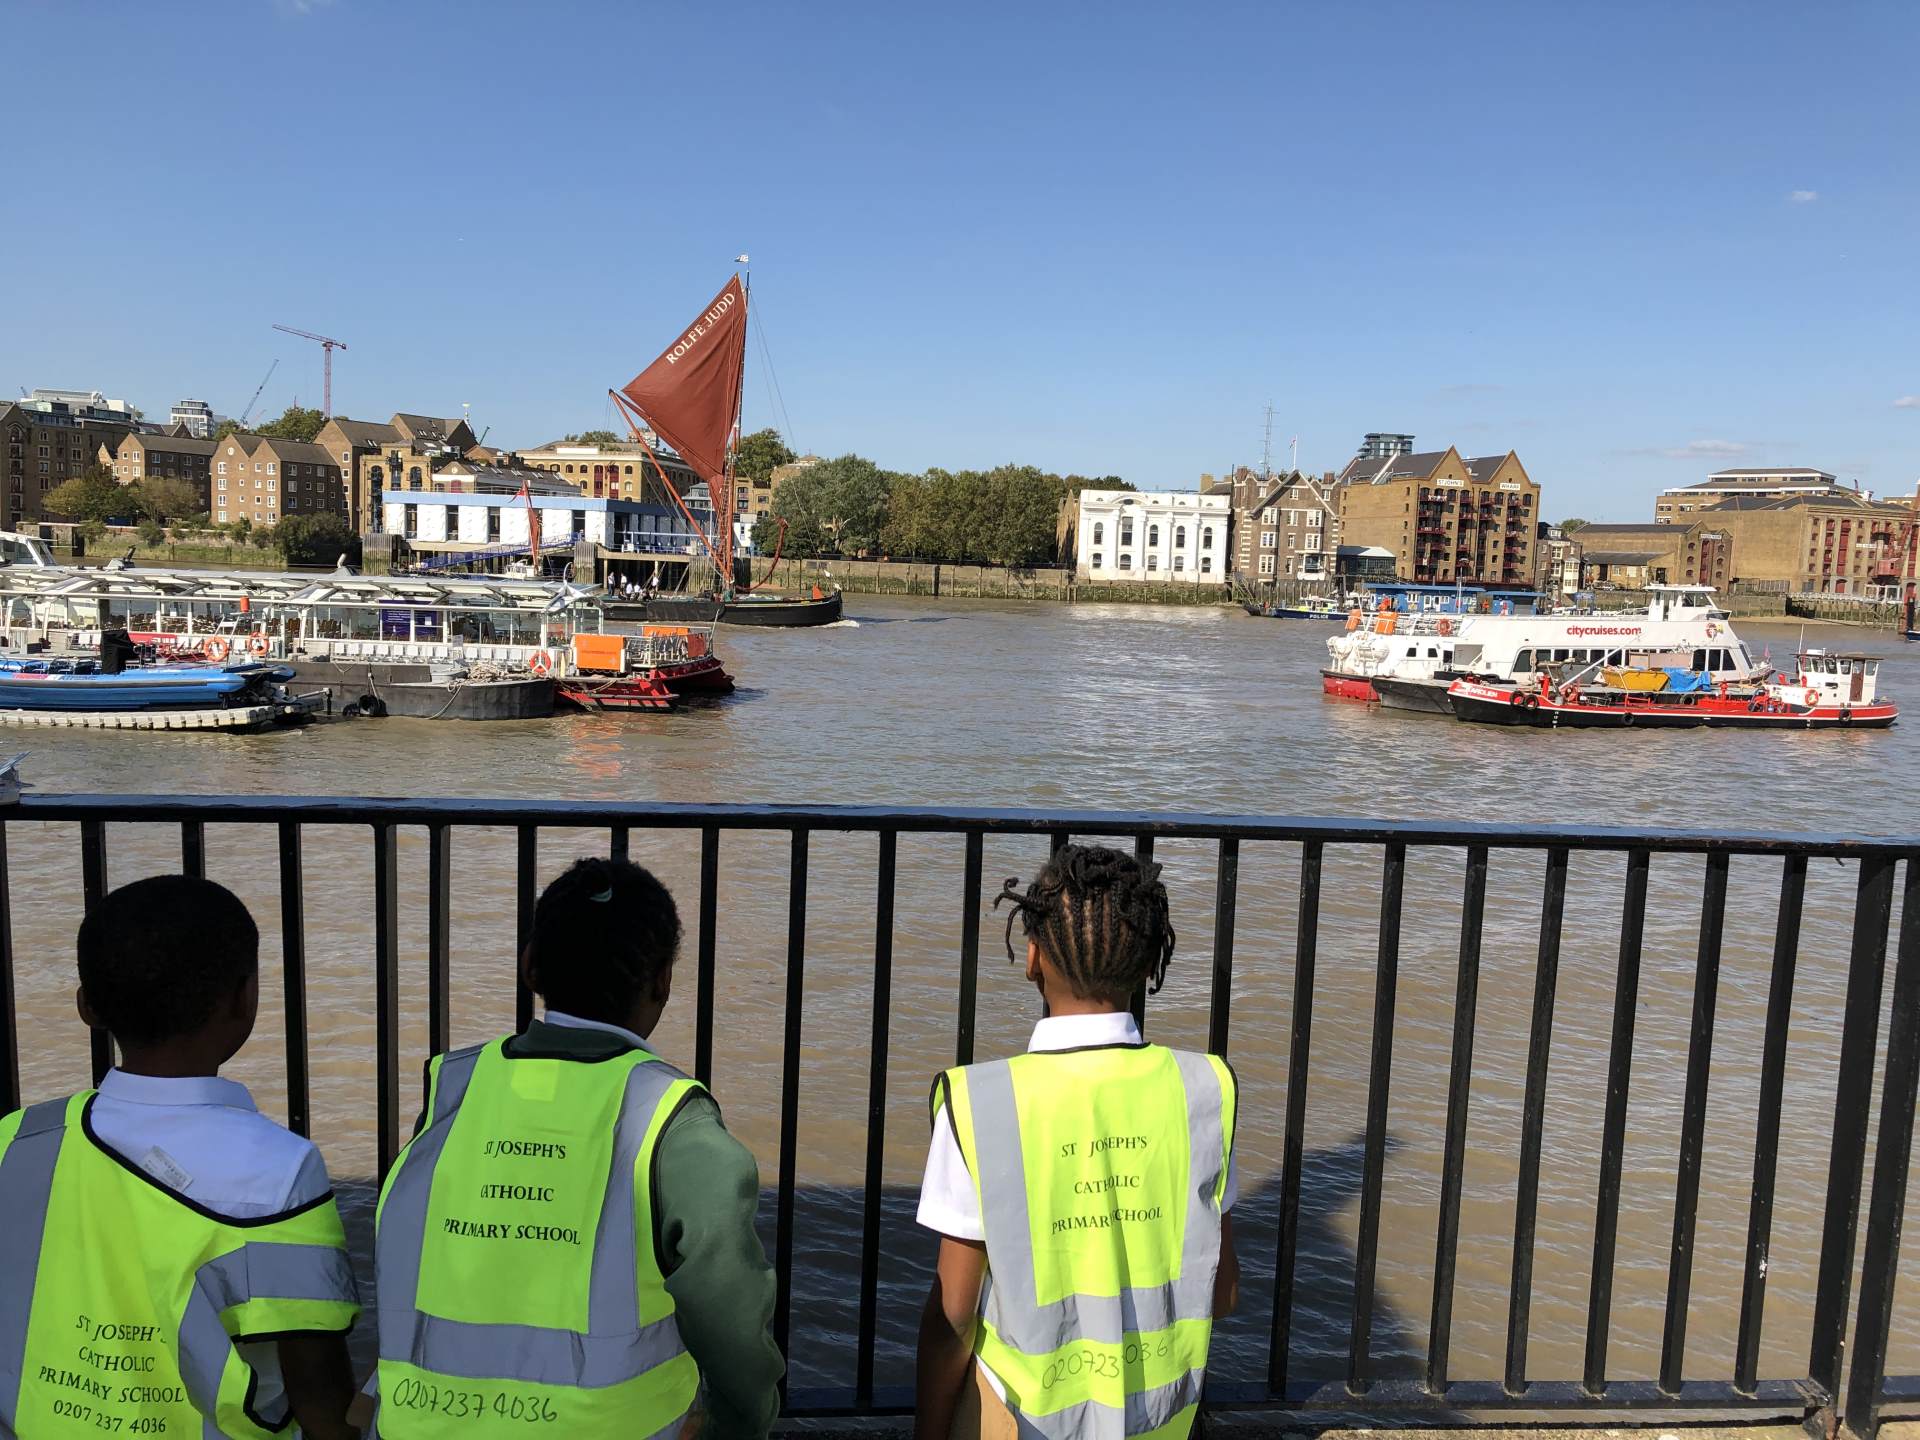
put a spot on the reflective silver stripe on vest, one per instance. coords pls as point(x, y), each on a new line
point(1010, 1304)
point(267, 1270)
point(612, 1354)
point(1090, 1420)
point(403, 1213)
point(26, 1184)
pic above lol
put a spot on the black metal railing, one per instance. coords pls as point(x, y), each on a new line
point(1883, 865)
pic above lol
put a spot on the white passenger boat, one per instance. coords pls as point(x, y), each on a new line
point(455, 647)
point(1407, 662)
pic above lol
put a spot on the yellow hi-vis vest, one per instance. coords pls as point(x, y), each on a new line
point(519, 1288)
point(121, 1302)
point(1100, 1174)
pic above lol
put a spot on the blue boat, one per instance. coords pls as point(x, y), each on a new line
point(84, 685)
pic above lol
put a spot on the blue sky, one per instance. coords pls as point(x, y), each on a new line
point(1636, 243)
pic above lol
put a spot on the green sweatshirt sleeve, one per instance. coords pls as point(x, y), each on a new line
point(706, 1190)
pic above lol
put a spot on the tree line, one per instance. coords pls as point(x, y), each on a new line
point(1009, 515)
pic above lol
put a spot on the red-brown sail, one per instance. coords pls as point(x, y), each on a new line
point(691, 394)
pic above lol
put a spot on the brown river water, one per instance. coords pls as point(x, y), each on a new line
point(1108, 707)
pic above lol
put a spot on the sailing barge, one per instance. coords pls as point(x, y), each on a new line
point(691, 398)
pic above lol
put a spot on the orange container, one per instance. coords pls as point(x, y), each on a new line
point(604, 653)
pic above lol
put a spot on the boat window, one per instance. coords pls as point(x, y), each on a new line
point(1699, 660)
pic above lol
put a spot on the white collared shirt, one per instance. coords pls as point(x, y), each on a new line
point(949, 1203)
point(202, 1137)
point(574, 1022)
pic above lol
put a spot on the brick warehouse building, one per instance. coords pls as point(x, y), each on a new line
point(1445, 518)
point(43, 450)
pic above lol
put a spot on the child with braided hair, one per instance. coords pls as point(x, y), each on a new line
point(1081, 1190)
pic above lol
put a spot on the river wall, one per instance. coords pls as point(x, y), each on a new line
point(996, 582)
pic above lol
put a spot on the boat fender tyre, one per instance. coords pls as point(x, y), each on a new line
point(1846, 717)
point(350, 712)
point(217, 649)
point(373, 707)
point(1627, 718)
point(1753, 705)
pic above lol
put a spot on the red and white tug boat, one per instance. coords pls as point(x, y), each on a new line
point(1832, 691)
point(670, 663)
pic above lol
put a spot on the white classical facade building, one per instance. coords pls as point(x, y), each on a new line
point(1152, 536)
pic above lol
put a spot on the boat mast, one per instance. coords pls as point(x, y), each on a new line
point(724, 507)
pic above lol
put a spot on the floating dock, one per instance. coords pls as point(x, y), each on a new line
point(240, 717)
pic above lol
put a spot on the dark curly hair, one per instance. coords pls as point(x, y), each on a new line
point(160, 956)
point(603, 933)
point(1101, 917)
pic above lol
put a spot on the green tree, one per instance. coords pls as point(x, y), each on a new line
point(167, 497)
point(1567, 527)
point(95, 495)
point(760, 453)
point(295, 423)
point(229, 427)
point(1076, 483)
point(592, 437)
point(315, 540)
point(838, 506)
point(152, 533)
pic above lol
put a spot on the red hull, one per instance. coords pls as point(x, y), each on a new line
point(704, 676)
point(639, 692)
point(1347, 687)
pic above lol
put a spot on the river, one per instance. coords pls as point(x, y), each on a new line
point(1112, 707)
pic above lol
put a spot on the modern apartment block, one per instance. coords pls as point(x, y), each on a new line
point(197, 416)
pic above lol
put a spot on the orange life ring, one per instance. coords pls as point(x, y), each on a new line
point(540, 663)
point(1445, 627)
point(258, 645)
point(216, 649)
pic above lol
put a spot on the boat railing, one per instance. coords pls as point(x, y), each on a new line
point(1321, 1307)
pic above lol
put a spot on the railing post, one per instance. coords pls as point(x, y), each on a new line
point(1466, 1003)
point(1626, 999)
point(293, 977)
point(1379, 1080)
point(9, 1027)
point(439, 940)
point(1226, 896)
point(93, 885)
point(969, 951)
point(1853, 1093)
point(1766, 1134)
point(526, 883)
point(1892, 1156)
point(790, 1094)
point(709, 943)
point(386, 993)
point(876, 1116)
point(1293, 1161)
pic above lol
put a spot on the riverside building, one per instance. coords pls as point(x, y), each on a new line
point(1139, 536)
point(1446, 518)
point(1285, 527)
point(1723, 485)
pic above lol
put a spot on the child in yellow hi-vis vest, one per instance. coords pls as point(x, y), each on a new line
point(172, 1262)
point(1080, 1190)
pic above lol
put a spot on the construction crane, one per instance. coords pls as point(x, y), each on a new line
point(329, 345)
point(256, 394)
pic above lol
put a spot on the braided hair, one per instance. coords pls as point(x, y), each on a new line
point(603, 934)
point(1100, 916)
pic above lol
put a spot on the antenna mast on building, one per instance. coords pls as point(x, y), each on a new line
point(1266, 448)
